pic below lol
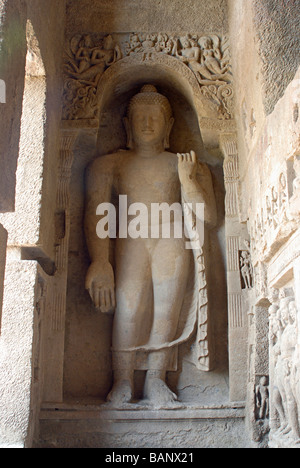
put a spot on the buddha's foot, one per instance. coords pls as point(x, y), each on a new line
point(121, 393)
point(158, 394)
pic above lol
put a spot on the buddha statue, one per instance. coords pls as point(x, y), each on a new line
point(147, 287)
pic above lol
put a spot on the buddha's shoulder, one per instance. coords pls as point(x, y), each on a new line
point(109, 161)
point(170, 157)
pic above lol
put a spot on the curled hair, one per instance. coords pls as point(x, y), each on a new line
point(149, 95)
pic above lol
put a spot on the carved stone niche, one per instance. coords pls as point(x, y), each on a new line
point(88, 357)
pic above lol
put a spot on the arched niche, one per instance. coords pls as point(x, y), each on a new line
point(174, 79)
point(87, 360)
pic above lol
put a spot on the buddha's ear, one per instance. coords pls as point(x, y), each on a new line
point(128, 132)
point(168, 133)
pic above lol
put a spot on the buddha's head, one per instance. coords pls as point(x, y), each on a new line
point(149, 119)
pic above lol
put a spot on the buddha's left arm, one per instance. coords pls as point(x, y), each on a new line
point(200, 190)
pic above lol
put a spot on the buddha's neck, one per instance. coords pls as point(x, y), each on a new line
point(149, 151)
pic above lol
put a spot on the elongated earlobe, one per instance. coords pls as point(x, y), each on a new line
point(168, 133)
point(127, 126)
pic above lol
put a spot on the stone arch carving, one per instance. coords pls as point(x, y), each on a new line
point(90, 60)
point(160, 66)
point(124, 77)
point(172, 77)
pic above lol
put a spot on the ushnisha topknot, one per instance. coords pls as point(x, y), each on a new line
point(150, 95)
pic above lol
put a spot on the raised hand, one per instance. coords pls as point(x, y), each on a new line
point(187, 168)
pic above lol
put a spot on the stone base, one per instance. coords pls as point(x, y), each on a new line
point(100, 426)
point(279, 441)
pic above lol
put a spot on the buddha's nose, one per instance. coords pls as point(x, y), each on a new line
point(148, 122)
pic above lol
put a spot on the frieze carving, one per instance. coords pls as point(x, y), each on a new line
point(86, 59)
point(88, 56)
point(207, 56)
point(284, 352)
point(276, 216)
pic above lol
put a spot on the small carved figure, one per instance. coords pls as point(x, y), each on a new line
point(295, 379)
point(275, 207)
point(246, 269)
point(268, 216)
point(211, 68)
point(161, 43)
point(190, 53)
point(148, 43)
point(134, 45)
point(83, 55)
point(262, 398)
point(95, 61)
point(283, 197)
point(284, 400)
point(273, 313)
point(278, 390)
point(288, 347)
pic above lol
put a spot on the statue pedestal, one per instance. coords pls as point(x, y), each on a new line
point(100, 426)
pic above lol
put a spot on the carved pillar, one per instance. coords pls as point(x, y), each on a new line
point(235, 232)
point(55, 329)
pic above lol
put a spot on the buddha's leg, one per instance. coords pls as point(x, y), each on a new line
point(170, 270)
point(133, 283)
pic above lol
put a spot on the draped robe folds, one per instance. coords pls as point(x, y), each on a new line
point(194, 313)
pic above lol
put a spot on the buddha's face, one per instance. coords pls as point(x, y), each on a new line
point(148, 124)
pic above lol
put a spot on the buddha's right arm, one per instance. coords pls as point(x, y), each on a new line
point(99, 184)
